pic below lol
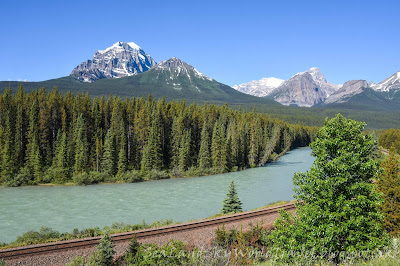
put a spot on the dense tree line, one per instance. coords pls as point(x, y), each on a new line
point(51, 137)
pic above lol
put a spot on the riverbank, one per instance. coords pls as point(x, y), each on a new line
point(135, 176)
point(64, 208)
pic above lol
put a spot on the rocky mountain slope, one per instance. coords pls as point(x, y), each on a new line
point(349, 88)
point(391, 83)
point(120, 60)
point(304, 89)
point(259, 88)
point(172, 79)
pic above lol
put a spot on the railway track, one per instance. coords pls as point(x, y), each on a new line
point(140, 234)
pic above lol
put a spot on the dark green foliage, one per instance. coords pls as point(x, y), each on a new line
point(338, 209)
point(389, 185)
point(55, 138)
point(204, 159)
point(232, 203)
point(372, 107)
point(105, 251)
point(87, 178)
point(108, 164)
point(81, 147)
point(184, 151)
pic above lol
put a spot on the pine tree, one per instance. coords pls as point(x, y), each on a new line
point(152, 153)
point(204, 159)
point(232, 203)
point(389, 185)
point(218, 147)
point(34, 160)
point(184, 151)
point(176, 139)
point(122, 160)
point(105, 251)
point(20, 139)
point(81, 146)
point(7, 155)
point(60, 162)
point(253, 149)
point(108, 164)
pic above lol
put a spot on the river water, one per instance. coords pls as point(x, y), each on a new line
point(64, 208)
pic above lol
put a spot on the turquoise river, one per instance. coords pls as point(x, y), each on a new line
point(64, 208)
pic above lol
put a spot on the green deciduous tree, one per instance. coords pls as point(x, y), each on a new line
point(232, 203)
point(389, 185)
point(338, 209)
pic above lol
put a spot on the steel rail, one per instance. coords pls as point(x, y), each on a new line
point(140, 234)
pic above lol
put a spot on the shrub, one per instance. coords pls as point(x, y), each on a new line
point(34, 237)
point(131, 176)
point(22, 178)
point(89, 178)
point(154, 174)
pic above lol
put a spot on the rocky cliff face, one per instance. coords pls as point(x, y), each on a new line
point(349, 88)
point(259, 88)
point(120, 60)
point(304, 89)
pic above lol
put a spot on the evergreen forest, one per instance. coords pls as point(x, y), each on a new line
point(50, 137)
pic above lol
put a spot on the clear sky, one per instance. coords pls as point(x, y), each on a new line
point(231, 41)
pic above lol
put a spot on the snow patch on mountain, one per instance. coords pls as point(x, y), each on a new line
point(119, 60)
point(392, 82)
point(259, 88)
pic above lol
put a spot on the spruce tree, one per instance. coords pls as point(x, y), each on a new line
point(232, 203)
point(20, 138)
point(7, 153)
point(184, 151)
point(105, 251)
point(34, 160)
point(389, 185)
point(60, 162)
point(218, 147)
point(122, 160)
point(108, 163)
point(81, 146)
point(176, 139)
point(204, 159)
point(152, 153)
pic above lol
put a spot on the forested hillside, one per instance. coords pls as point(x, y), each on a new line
point(51, 137)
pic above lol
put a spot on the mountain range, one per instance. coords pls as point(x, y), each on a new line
point(310, 88)
point(126, 70)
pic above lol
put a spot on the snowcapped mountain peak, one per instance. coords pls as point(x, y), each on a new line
point(259, 88)
point(316, 75)
point(121, 46)
point(119, 60)
point(178, 67)
point(392, 82)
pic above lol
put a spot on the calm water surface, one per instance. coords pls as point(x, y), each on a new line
point(64, 208)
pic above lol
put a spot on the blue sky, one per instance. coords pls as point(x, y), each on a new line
point(230, 41)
